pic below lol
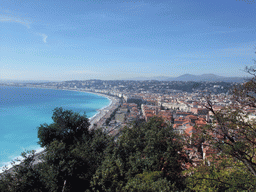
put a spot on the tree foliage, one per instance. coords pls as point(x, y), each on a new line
point(221, 175)
point(73, 152)
point(150, 182)
point(147, 148)
point(72, 155)
point(67, 127)
point(233, 136)
point(23, 177)
point(232, 132)
point(147, 157)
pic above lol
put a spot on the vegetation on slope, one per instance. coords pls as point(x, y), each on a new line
point(146, 157)
point(77, 159)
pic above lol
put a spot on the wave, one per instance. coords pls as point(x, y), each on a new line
point(17, 160)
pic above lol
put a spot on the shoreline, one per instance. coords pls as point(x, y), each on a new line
point(98, 118)
point(113, 100)
point(104, 112)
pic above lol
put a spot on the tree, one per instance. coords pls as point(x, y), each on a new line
point(150, 182)
point(71, 157)
point(221, 175)
point(67, 127)
point(146, 148)
point(73, 153)
point(23, 177)
point(233, 135)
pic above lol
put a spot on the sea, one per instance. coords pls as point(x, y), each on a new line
point(23, 110)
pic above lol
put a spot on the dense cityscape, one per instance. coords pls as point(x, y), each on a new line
point(135, 100)
point(182, 105)
point(131, 95)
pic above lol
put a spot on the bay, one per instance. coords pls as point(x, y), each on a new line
point(22, 110)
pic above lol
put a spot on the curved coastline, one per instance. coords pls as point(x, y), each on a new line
point(113, 101)
point(98, 118)
point(104, 112)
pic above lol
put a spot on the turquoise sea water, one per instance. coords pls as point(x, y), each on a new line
point(22, 110)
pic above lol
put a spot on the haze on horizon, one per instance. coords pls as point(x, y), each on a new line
point(112, 39)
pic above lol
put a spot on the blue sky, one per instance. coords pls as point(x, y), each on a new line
point(115, 39)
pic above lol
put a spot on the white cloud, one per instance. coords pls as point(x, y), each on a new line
point(22, 21)
point(19, 20)
point(44, 36)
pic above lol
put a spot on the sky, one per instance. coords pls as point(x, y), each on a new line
point(60, 40)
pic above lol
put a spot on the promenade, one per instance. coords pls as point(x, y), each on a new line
point(99, 119)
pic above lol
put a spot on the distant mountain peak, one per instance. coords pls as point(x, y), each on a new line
point(206, 77)
point(209, 77)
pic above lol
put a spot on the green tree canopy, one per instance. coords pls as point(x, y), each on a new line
point(67, 127)
point(142, 149)
point(73, 152)
point(71, 157)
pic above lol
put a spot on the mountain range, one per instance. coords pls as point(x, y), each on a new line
point(190, 77)
point(186, 77)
